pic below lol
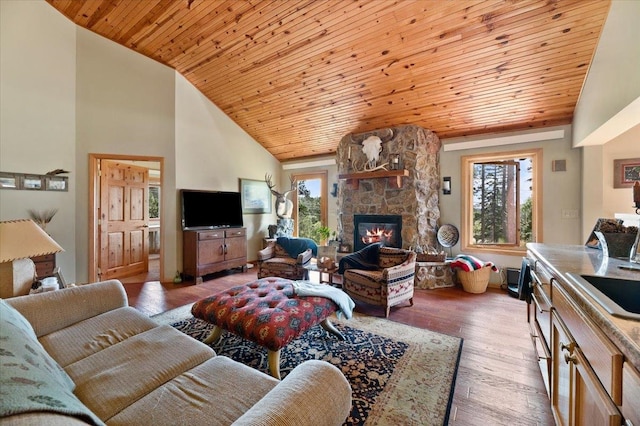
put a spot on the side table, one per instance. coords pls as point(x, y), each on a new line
point(313, 267)
point(430, 275)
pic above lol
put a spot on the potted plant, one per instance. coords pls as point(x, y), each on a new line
point(323, 233)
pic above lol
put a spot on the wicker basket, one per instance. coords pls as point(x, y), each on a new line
point(475, 281)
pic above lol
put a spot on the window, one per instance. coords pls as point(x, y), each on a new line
point(310, 205)
point(502, 201)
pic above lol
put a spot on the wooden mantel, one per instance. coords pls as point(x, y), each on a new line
point(394, 176)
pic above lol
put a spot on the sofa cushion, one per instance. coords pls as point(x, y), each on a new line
point(123, 373)
point(96, 334)
point(30, 379)
point(216, 392)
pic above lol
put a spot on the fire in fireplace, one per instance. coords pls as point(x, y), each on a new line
point(373, 228)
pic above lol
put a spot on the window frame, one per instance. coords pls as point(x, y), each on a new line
point(466, 219)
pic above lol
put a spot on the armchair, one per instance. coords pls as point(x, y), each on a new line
point(286, 258)
point(386, 283)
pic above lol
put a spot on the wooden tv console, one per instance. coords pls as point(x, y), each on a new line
point(213, 250)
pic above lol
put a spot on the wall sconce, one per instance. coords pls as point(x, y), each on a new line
point(446, 185)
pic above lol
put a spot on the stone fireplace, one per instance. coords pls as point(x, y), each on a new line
point(410, 193)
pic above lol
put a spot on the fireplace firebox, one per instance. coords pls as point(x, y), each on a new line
point(375, 228)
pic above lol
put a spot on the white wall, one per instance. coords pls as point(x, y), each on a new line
point(560, 191)
point(213, 153)
point(125, 106)
point(602, 199)
point(37, 114)
point(613, 80)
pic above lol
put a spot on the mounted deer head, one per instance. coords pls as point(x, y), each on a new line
point(284, 207)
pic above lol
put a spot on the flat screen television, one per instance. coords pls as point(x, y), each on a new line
point(210, 209)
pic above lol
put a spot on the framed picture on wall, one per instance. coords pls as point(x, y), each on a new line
point(626, 172)
point(256, 196)
point(8, 181)
point(31, 182)
point(56, 183)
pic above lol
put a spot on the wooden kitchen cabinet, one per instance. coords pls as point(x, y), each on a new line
point(585, 368)
point(209, 251)
point(577, 397)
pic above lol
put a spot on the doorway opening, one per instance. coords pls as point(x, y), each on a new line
point(125, 218)
point(310, 205)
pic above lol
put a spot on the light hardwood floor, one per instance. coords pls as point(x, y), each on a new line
point(498, 380)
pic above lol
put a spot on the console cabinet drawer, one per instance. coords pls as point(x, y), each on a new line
point(210, 235)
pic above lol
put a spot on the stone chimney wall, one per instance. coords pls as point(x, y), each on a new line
point(417, 200)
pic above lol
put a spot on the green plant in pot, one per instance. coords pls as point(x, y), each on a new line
point(322, 233)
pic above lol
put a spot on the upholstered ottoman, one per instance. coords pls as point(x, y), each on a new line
point(267, 312)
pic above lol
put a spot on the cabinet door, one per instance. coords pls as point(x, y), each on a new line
point(592, 405)
point(236, 247)
point(210, 251)
point(561, 371)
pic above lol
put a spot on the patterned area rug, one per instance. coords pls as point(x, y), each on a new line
point(398, 374)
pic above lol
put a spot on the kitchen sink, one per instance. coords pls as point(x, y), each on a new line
point(618, 296)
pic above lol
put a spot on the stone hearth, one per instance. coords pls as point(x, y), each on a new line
point(417, 200)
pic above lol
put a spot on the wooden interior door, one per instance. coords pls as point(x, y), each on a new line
point(124, 220)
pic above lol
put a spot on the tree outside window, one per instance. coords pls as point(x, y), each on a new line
point(502, 201)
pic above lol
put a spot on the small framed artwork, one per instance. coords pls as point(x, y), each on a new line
point(8, 181)
point(31, 182)
point(56, 183)
point(256, 196)
point(626, 172)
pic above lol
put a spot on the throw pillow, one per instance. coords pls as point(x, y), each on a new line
point(30, 380)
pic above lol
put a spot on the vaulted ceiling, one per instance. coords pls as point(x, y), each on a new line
point(298, 75)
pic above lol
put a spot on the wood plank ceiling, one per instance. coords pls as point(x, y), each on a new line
point(299, 75)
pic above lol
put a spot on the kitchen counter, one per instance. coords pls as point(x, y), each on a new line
point(563, 259)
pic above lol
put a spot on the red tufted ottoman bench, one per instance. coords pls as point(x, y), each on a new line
point(267, 312)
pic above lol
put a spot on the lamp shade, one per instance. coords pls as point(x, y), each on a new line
point(20, 239)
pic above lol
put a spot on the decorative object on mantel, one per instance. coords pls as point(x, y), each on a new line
point(371, 147)
point(42, 218)
point(394, 176)
point(394, 161)
point(20, 240)
point(33, 182)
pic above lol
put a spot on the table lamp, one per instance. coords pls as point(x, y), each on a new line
point(19, 241)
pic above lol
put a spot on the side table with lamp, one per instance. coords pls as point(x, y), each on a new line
point(20, 240)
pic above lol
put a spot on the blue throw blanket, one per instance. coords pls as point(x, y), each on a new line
point(295, 246)
point(339, 297)
point(366, 258)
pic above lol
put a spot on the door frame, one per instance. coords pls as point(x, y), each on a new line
point(323, 175)
point(94, 202)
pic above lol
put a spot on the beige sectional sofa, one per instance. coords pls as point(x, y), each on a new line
point(125, 369)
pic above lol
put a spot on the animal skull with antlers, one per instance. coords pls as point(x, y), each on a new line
point(284, 206)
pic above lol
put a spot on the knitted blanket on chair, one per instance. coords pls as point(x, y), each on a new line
point(469, 263)
point(366, 259)
point(295, 246)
